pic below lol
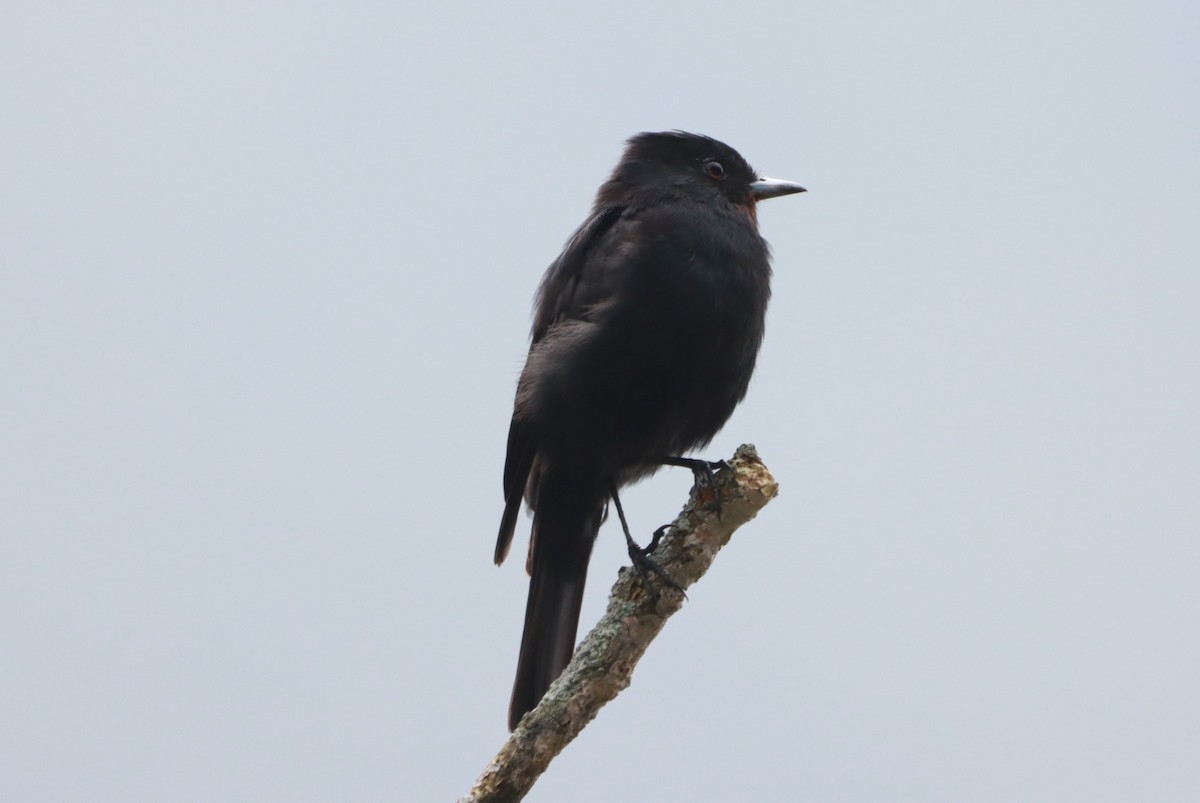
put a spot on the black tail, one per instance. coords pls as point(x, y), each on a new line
point(565, 524)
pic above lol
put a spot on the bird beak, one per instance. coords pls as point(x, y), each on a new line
point(773, 187)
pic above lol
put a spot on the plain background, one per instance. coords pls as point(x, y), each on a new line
point(265, 291)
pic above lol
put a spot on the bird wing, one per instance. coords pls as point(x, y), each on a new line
point(573, 284)
point(581, 277)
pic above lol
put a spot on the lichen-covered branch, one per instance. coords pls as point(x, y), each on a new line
point(603, 663)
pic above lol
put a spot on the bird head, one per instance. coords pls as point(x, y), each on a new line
point(675, 164)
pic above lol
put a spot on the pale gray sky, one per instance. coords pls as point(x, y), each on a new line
point(265, 289)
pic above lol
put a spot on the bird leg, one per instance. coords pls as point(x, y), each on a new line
point(642, 561)
point(705, 472)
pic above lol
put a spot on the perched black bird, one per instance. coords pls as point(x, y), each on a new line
point(645, 335)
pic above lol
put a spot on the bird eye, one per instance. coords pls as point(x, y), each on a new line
point(715, 170)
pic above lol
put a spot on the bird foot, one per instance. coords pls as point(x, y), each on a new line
point(645, 566)
point(705, 473)
point(656, 538)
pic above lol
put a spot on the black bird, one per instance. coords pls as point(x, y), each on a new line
point(645, 334)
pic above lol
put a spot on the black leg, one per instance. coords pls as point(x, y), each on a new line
point(641, 557)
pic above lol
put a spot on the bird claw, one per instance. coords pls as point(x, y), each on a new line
point(705, 473)
point(656, 538)
point(645, 566)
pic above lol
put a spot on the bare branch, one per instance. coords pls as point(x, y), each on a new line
point(603, 663)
